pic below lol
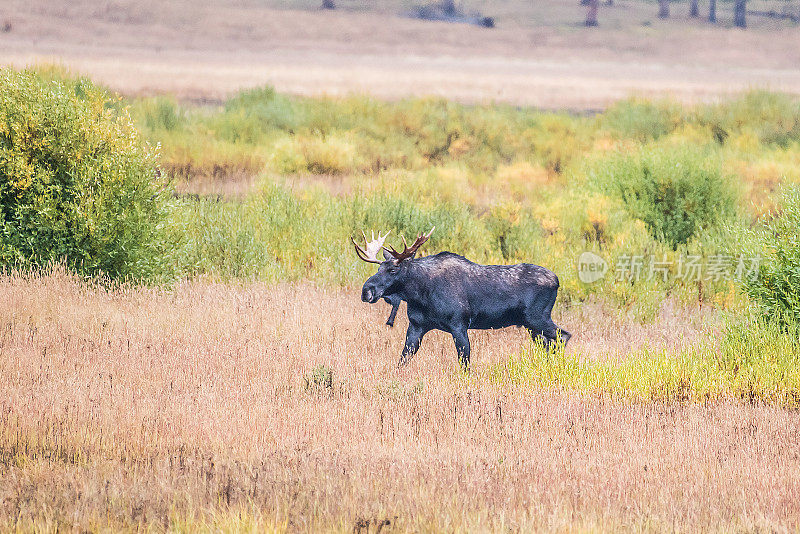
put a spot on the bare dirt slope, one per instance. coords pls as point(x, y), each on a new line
point(538, 55)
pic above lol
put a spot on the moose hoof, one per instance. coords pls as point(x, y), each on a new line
point(565, 336)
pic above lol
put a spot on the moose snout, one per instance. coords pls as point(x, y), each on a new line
point(368, 294)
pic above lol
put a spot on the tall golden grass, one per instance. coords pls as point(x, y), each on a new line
point(279, 407)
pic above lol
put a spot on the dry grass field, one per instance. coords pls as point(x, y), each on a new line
point(538, 55)
point(206, 406)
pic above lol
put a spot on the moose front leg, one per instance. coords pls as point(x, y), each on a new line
point(462, 347)
point(413, 339)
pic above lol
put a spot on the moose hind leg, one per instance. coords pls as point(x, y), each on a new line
point(414, 336)
point(548, 333)
point(565, 336)
point(537, 332)
point(540, 324)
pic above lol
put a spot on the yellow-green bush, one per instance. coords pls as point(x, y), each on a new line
point(77, 183)
point(641, 120)
point(502, 184)
point(775, 245)
point(300, 154)
point(773, 118)
point(676, 191)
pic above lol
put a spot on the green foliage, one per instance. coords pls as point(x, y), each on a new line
point(363, 135)
point(272, 236)
point(252, 114)
point(456, 228)
point(641, 120)
point(332, 155)
point(676, 191)
point(775, 288)
point(77, 184)
point(761, 357)
point(556, 141)
point(159, 114)
point(774, 118)
point(515, 233)
point(499, 183)
point(360, 134)
point(277, 235)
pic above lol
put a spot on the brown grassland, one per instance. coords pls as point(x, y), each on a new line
point(539, 54)
point(204, 407)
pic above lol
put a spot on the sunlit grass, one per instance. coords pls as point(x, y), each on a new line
point(753, 362)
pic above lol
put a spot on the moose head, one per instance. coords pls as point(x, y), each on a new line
point(392, 270)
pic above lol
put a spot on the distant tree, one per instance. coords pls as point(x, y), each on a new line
point(739, 13)
point(694, 10)
point(663, 9)
point(609, 2)
point(712, 11)
point(449, 7)
point(586, 2)
point(328, 4)
point(591, 14)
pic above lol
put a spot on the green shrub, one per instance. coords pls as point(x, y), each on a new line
point(298, 154)
point(273, 111)
point(159, 114)
point(76, 182)
point(676, 191)
point(287, 157)
point(209, 158)
point(762, 358)
point(775, 245)
point(376, 135)
point(250, 116)
point(222, 239)
point(457, 229)
point(641, 120)
point(271, 236)
point(773, 117)
point(279, 235)
point(555, 140)
point(517, 234)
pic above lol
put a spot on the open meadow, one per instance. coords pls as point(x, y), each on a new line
point(183, 346)
point(279, 407)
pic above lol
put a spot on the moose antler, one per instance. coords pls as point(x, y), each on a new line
point(370, 252)
point(408, 252)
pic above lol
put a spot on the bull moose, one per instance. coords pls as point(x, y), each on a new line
point(450, 293)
